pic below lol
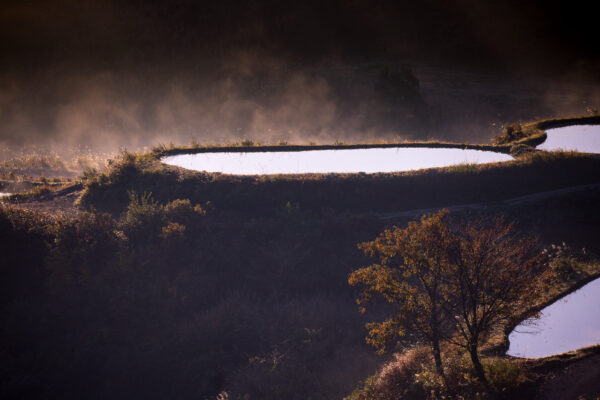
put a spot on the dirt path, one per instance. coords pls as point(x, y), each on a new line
point(60, 202)
point(474, 206)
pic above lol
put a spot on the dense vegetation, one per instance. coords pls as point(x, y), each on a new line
point(169, 301)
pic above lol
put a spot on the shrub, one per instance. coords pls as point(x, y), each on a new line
point(173, 229)
point(565, 262)
point(89, 174)
point(401, 378)
point(519, 149)
point(565, 268)
point(141, 209)
point(182, 210)
point(510, 133)
point(411, 375)
point(146, 218)
point(505, 377)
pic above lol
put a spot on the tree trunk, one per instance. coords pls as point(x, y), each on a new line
point(435, 346)
point(479, 372)
point(438, 359)
point(437, 356)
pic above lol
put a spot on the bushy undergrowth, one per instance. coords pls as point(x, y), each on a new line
point(520, 149)
point(511, 133)
point(411, 375)
point(566, 262)
point(170, 301)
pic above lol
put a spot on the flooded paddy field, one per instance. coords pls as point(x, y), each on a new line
point(568, 324)
point(371, 160)
point(581, 138)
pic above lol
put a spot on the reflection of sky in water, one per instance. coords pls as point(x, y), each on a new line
point(2, 194)
point(568, 324)
point(583, 138)
point(337, 161)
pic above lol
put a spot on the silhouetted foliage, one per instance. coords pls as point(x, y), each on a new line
point(170, 301)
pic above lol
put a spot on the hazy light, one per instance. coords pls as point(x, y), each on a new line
point(568, 324)
point(582, 138)
point(332, 161)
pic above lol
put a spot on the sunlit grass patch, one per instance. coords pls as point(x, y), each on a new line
point(462, 168)
point(411, 374)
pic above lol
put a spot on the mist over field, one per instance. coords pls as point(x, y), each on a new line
point(110, 75)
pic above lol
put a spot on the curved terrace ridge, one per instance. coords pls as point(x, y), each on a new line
point(577, 134)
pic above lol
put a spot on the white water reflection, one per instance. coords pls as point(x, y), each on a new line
point(3, 194)
point(332, 161)
point(568, 324)
point(582, 138)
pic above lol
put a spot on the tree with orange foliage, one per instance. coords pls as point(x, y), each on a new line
point(448, 282)
point(411, 275)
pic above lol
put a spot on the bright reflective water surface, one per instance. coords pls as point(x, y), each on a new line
point(332, 161)
point(582, 138)
point(568, 324)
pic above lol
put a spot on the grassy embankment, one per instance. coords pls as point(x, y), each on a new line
point(260, 195)
point(357, 193)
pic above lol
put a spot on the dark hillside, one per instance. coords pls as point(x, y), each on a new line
point(172, 300)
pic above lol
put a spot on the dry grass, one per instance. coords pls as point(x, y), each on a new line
point(411, 375)
point(37, 163)
point(251, 146)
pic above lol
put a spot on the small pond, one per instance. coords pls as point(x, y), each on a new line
point(582, 138)
point(568, 324)
point(332, 161)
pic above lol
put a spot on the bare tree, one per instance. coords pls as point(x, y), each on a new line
point(494, 275)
